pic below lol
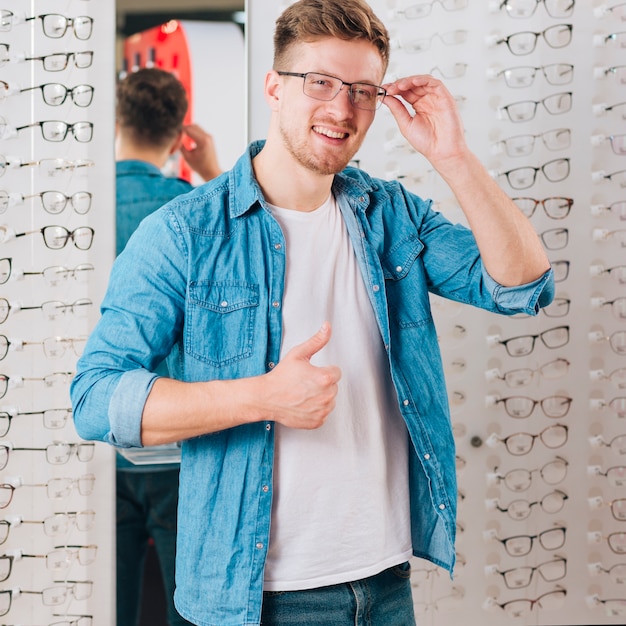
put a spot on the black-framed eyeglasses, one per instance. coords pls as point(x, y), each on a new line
point(555, 207)
point(57, 130)
point(57, 237)
point(55, 94)
point(324, 87)
point(521, 545)
point(523, 76)
point(560, 269)
point(58, 61)
point(524, 177)
point(526, 8)
point(549, 601)
point(602, 108)
point(521, 577)
point(73, 620)
point(518, 510)
point(525, 42)
point(613, 607)
point(617, 572)
point(523, 345)
point(55, 25)
point(521, 377)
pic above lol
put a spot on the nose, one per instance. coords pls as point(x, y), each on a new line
point(342, 102)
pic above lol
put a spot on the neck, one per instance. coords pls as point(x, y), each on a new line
point(125, 150)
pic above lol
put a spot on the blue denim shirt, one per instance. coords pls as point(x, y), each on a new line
point(202, 280)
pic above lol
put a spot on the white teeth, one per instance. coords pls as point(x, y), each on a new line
point(329, 133)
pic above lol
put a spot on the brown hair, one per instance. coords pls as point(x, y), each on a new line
point(151, 106)
point(308, 20)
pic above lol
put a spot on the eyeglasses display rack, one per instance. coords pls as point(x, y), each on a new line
point(57, 215)
point(537, 403)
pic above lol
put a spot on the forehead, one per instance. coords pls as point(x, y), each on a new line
point(354, 60)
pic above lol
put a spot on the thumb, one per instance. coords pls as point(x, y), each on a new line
point(312, 345)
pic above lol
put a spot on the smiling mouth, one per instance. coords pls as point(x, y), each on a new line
point(320, 130)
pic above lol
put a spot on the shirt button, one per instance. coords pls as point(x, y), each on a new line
point(442, 507)
point(427, 456)
point(223, 304)
point(271, 365)
point(259, 545)
point(278, 246)
point(268, 427)
point(375, 288)
point(405, 402)
point(275, 304)
point(265, 488)
point(399, 268)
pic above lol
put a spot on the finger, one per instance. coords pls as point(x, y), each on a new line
point(312, 345)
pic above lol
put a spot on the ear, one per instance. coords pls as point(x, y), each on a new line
point(272, 90)
point(177, 143)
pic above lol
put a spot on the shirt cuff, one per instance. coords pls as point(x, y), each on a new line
point(527, 298)
point(126, 407)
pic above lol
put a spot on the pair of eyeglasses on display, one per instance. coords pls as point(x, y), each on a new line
point(555, 238)
point(612, 607)
point(450, 72)
point(616, 39)
point(51, 309)
point(615, 475)
point(554, 207)
point(53, 202)
point(522, 377)
point(616, 340)
point(525, 177)
point(449, 38)
point(523, 607)
point(519, 444)
point(50, 596)
point(424, 9)
point(521, 407)
point(519, 510)
point(615, 72)
point(57, 561)
point(53, 94)
point(53, 347)
point(521, 577)
point(524, 42)
point(522, 76)
point(53, 275)
point(617, 209)
point(615, 405)
point(616, 541)
point(47, 167)
point(521, 545)
point(617, 306)
point(55, 62)
point(617, 142)
point(617, 377)
point(560, 270)
point(442, 604)
point(619, 177)
point(523, 145)
point(601, 108)
point(54, 237)
point(56, 488)
point(73, 620)
point(54, 525)
point(52, 419)
point(525, 110)
point(617, 444)
point(51, 130)
point(617, 273)
point(57, 453)
point(520, 9)
point(617, 506)
point(54, 379)
point(617, 572)
point(523, 345)
point(559, 307)
point(53, 25)
point(519, 480)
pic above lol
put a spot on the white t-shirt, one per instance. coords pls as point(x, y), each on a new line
point(341, 501)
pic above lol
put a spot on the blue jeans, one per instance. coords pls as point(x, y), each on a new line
point(146, 503)
point(381, 600)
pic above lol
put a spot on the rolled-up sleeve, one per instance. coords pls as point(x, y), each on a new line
point(527, 298)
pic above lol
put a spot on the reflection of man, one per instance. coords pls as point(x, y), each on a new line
point(313, 466)
point(150, 109)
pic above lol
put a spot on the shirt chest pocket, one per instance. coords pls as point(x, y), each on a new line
point(219, 325)
point(405, 281)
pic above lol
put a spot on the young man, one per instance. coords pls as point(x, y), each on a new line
point(151, 105)
point(314, 464)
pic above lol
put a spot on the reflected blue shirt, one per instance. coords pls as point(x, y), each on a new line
point(202, 280)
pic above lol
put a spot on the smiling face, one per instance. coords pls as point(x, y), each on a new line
point(323, 136)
